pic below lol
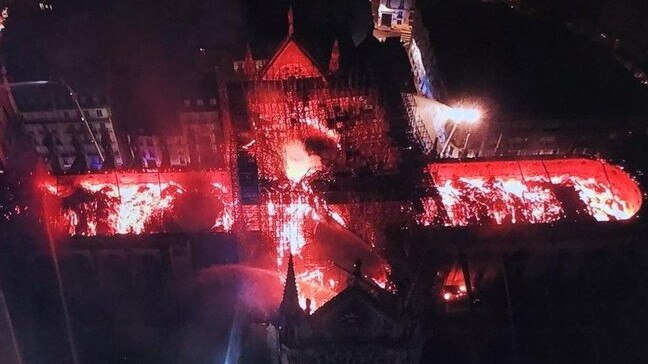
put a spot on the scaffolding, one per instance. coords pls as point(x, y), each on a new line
point(342, 121)
point(348, 116)
point(421, 134)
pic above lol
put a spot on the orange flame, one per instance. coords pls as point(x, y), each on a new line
point(529, 192)
point(131, 208)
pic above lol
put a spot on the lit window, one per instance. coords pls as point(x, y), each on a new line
point(200, 102)
point(44, 6)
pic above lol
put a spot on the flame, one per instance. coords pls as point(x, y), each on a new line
point(601, 203)
point(296, 218)
point(297, 135)
point(97, 208)
point(298, 163)
point(294, 212)
point(501, 196)
point(477, 200)
point(319, 126)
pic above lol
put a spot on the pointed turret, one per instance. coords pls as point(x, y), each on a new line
point(291, 24)
point(290, 302)
point(248, 64)
point(334, 62)
point(80, 165)
point(290, 314)
point(356, 279)
point(106, 145)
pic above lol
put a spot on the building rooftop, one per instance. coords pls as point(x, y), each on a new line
point(52, 97)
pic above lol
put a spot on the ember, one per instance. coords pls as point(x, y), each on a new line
point(94, 206)
point(529, 192)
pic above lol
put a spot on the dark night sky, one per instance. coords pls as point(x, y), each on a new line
point(146, 57)
point(525, 66)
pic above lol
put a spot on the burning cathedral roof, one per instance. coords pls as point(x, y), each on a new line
point(302, 131)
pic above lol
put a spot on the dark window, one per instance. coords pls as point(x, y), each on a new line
point(386, 20)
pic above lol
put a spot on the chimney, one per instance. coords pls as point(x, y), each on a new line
point(334, 62)
point(291, 26)
point(249, 67)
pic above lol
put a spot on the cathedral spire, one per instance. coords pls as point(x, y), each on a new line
point(249, 68)
point(290, 302)
point(334, 62)
point(291, 25)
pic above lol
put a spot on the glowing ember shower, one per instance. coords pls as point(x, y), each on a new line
point(529, 191)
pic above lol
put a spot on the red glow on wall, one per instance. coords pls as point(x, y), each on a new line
point(291, 60)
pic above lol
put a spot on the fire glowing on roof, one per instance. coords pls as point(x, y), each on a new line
point(296, 219)
point(529, 191)
point(137, 203)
